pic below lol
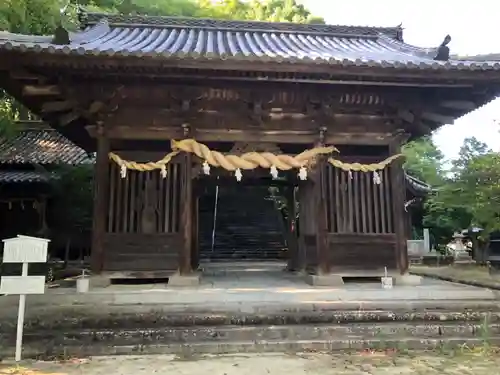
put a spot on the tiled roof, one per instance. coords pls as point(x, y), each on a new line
point(8, 176)
point(202, 39)
point(90, 18)
point(416, 186)
point(41, 147)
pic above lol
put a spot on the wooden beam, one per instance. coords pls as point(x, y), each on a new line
point(32, 125)
point(436, 117)
point(58, 106)
point(462, 105)
point(241, 135)
point(21, 75)
point(68, 118)
point(92, 110)
point(32, 90)
point(407, 116)
point(229, 116)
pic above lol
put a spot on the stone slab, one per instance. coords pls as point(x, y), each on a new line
point(184, 280)
point(99, 282)
point(407, 280)
point(324, 280)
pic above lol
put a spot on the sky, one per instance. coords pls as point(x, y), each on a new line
point(472, 25)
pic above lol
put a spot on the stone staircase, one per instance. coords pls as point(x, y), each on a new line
point(248, 225)
point(194, 333)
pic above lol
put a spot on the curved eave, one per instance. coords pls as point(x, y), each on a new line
point(416, 187)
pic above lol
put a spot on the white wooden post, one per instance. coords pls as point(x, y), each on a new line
point(24, 250)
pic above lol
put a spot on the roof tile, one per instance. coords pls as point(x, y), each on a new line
point(202, 39)
point(41, 147)
point(416, 186)
point(9, 176)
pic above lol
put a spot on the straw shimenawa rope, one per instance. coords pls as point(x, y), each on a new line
point(143, 167)
point(249, 160)
point(357, 167)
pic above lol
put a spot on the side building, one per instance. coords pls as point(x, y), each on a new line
point(30, 166)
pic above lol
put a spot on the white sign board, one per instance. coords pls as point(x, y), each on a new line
point(22, 285)
point(24, 249)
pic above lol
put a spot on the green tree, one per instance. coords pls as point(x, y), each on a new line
point(471, 148)
point(423, 160)
point(477, 188)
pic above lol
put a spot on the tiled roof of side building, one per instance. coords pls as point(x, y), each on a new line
point(41, 147)
point(416, 186)
point(15, 176)
point(205, 39)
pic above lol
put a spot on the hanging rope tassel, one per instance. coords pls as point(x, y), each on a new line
point(206, 168)
point(163, 171)
point(303, 173)
point(274, 172)
point(123, 171)
point(238, 175)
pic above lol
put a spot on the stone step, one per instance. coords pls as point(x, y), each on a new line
point(220, 341)
point(241, 253)
point(207, 314)
point(266, 333)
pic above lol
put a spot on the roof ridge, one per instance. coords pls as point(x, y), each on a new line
point(92, 18)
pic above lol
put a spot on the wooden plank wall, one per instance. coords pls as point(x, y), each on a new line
point(360, 219)
point(356, 204)
point(143, 221)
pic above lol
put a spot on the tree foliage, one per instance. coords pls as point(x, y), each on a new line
point(424, 161)
point(468, 194)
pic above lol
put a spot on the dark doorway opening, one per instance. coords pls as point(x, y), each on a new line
point(240, 220)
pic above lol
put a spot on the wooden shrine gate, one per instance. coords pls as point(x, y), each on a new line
point(128, 84)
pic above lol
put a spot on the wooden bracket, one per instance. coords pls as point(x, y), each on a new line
point(96, 110)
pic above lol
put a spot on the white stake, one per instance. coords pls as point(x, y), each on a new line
point(20, 318)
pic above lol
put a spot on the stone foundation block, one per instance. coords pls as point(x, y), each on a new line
point(324, 280)
point(407, 279)
point(184, 280)
point(99, 281)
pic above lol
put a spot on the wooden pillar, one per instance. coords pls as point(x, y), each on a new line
point(323, 262)
point(195, 256)
point(101, 187)
point(186, 213)
point(398, 202)
point(301, 226)
point(293, 251)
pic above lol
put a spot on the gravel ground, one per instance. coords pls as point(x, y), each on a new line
point(290, 364)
